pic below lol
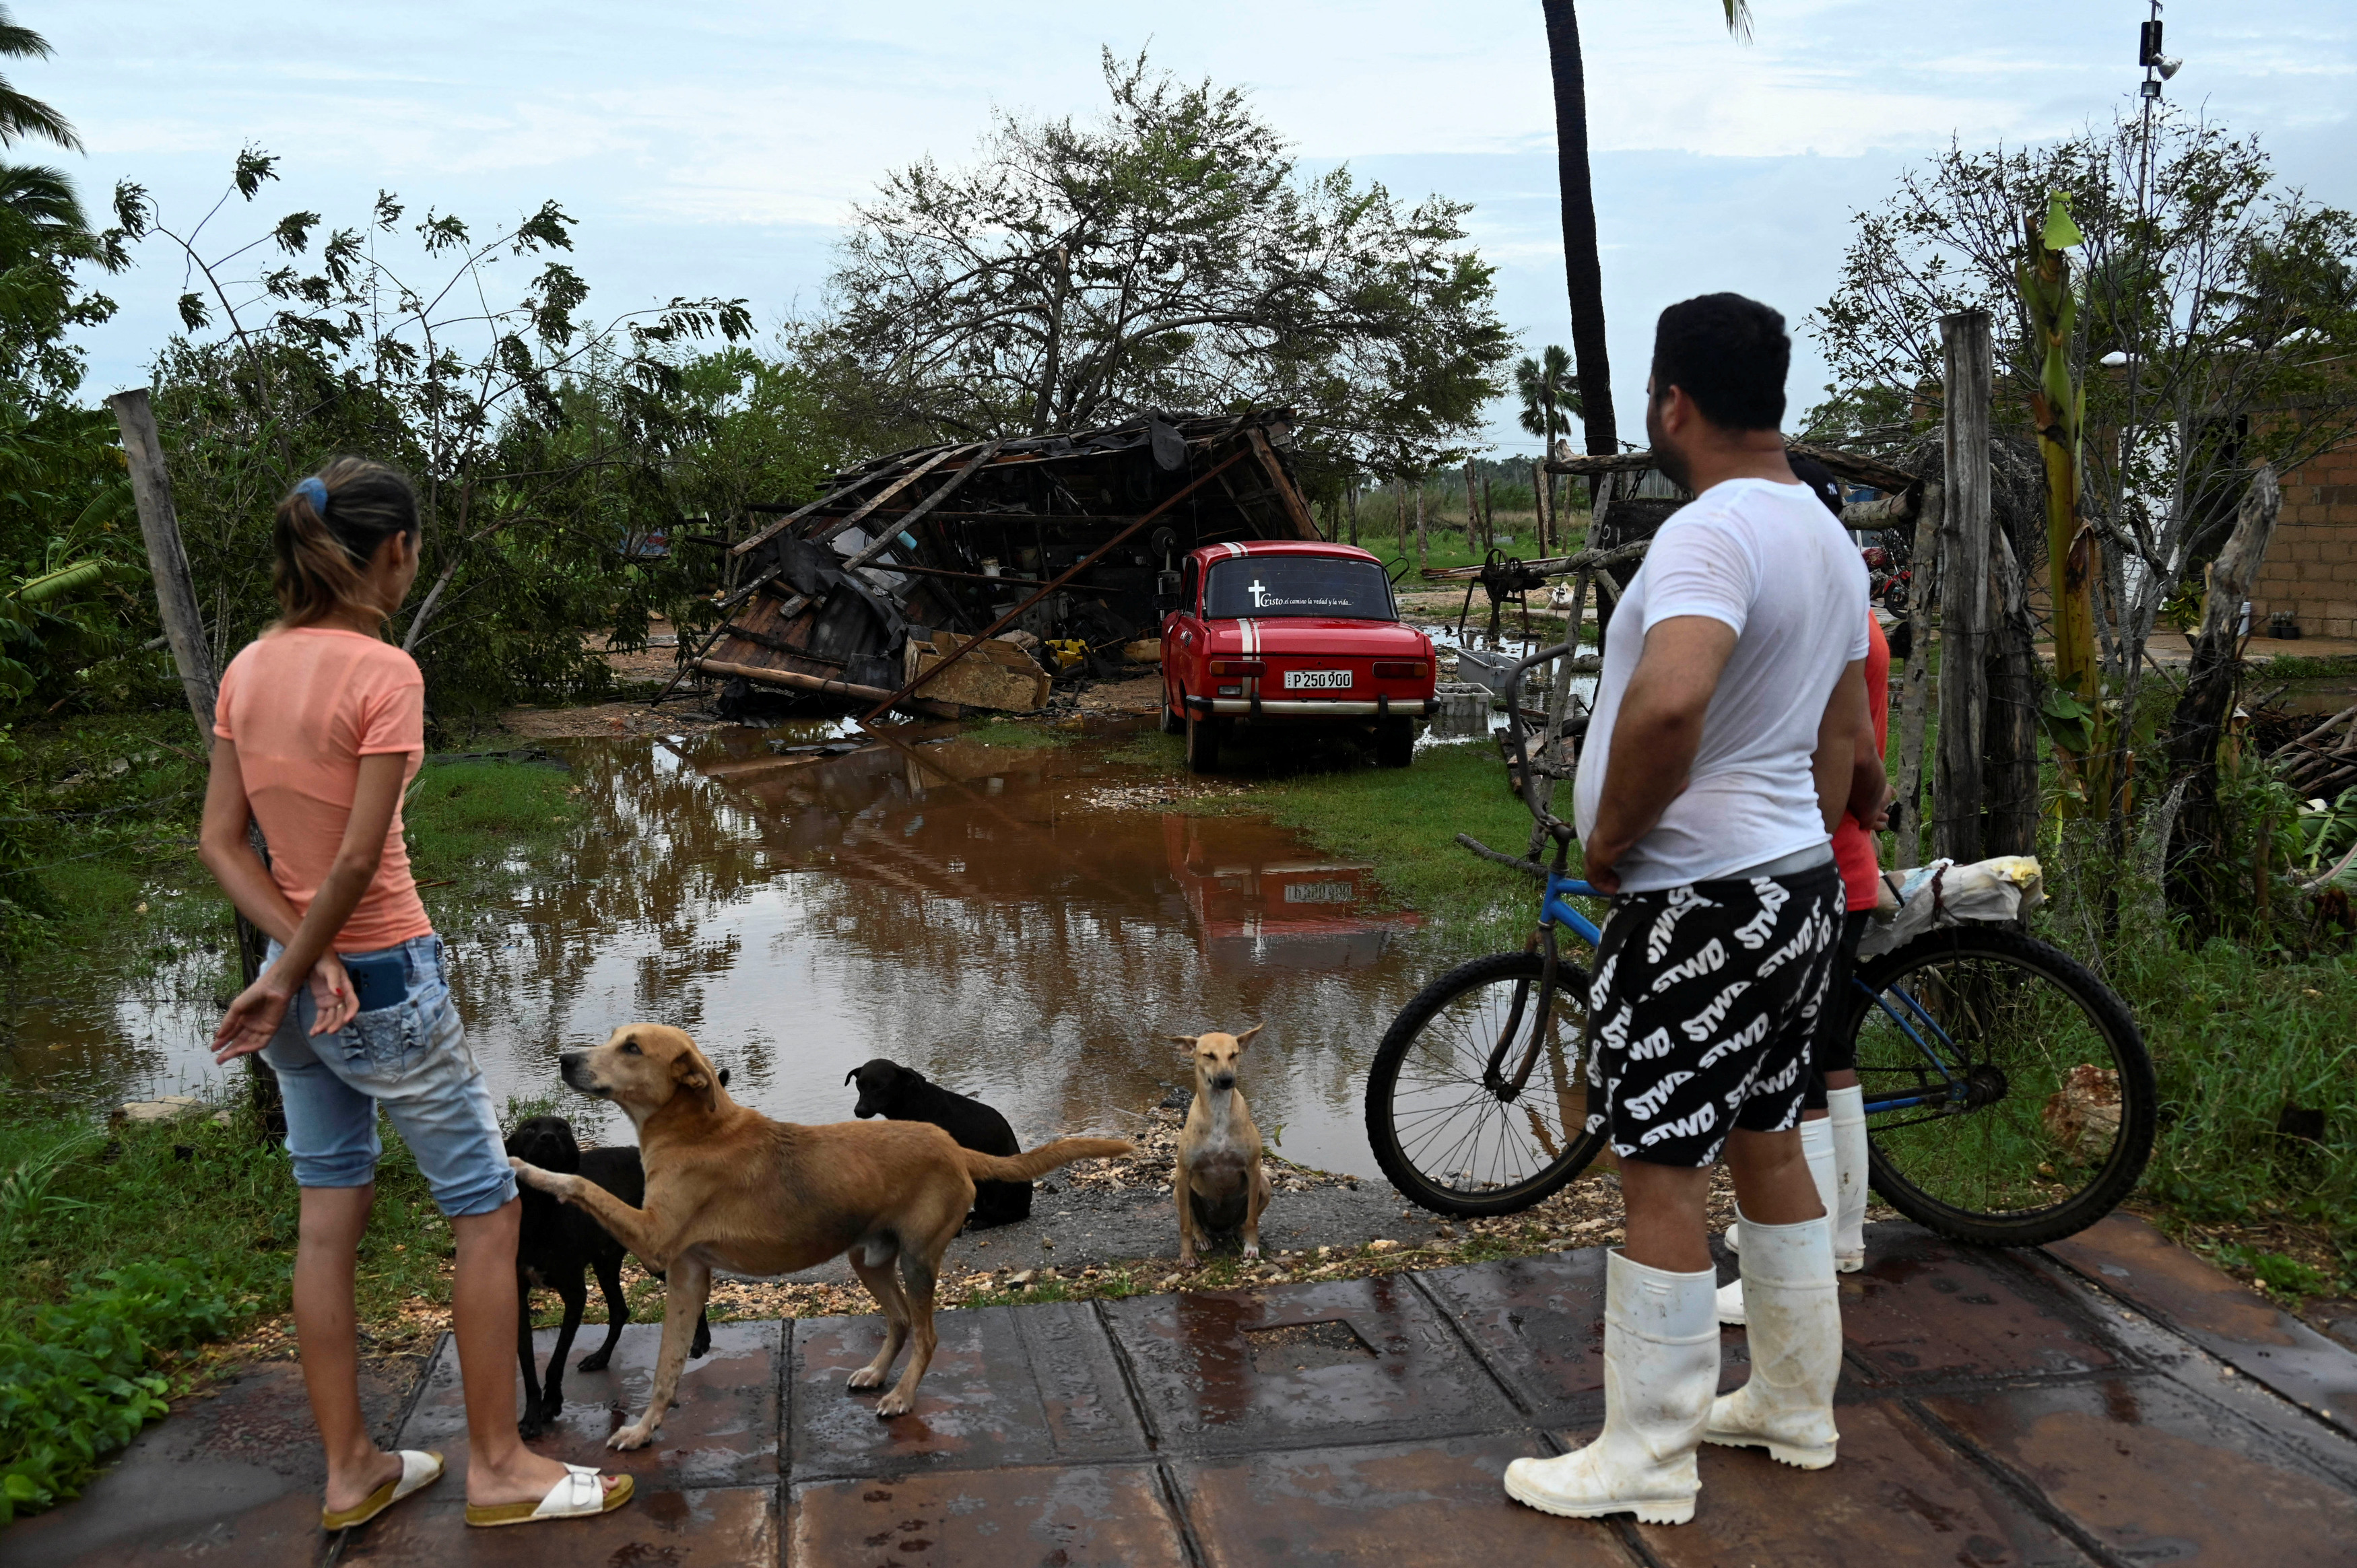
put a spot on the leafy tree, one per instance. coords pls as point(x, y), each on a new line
point(539, 440)
point(1167, 256)
point(2215, 330)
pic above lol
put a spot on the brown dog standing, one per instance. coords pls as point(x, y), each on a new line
point(1218, 1185)
point(727, 1187)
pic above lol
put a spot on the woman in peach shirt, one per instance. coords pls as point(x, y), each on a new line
point(321, 726)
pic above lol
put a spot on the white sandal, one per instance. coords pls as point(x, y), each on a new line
point(577, 1494)
point(420, 1467)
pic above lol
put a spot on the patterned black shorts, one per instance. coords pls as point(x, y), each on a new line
point(1700, 1017)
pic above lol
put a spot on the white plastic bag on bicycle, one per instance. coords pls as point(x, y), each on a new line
point(1945, 893)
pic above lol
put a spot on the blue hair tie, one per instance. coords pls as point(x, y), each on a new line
point(316, 492)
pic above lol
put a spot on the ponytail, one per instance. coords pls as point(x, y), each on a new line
point(328, 528)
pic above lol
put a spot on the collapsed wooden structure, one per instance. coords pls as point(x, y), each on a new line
point(874, 593)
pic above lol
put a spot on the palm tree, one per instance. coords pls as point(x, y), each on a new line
point(1544, 385)
point(1583, 269)
point(45, 197)
point(22, 116)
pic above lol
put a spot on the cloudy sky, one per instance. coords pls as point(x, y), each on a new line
point(717, 148)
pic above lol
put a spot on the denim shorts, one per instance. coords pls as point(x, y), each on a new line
point(411, 1058)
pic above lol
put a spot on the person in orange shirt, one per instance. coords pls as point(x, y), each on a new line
point(321, 725)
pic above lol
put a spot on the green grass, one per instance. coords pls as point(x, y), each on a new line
point(120, 1245)
point(1445, 538)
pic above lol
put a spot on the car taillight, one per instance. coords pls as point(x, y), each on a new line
point(1399, 668)
point(1238, 667)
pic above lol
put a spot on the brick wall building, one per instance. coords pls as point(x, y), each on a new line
point(2311, 565)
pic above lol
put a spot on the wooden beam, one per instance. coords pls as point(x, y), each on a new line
point(820, 535)
point(773, 530)
point(1964, 586)
point(1302, 522)
point(899, 524)
point(1069, 573)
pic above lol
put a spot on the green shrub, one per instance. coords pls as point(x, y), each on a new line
point(80, 1383)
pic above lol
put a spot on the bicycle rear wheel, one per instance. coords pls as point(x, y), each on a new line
point(2010, 1099)
point(1456, 1144)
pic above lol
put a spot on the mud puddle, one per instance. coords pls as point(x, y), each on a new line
point(1011, 910)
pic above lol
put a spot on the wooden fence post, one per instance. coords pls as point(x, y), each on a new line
point(184, 630)
point(1545, 523)
point(1964, 585)
point(167, 559)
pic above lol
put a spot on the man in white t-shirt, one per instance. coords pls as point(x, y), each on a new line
point(1719, 756)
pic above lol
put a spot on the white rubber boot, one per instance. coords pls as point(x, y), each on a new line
point(1787, 1408)
point(1661, 1367)
point(1818, 1148)
point(1849, 1107)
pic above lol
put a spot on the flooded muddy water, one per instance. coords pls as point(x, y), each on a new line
point(1021, 922)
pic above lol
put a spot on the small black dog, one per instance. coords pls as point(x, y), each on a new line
point(901, 1093)
point(557, 1243)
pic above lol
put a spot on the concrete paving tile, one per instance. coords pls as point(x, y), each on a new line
point(1078, 1515)
point(235, 1478)
point(1897, 1495)
point(721, 1433)
point(1423, 1502)
point(658, 1527)
point(1364, 1360)
point(2127, 1257)
point(1930, 1310)
point(1030, 1385)
point(2155, 1474)
point(1539, 1323)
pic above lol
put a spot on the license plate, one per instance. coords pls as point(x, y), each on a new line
point(1317, 680)
point(1320, 893)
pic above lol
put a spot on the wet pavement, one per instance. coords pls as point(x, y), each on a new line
point(2109, 1400)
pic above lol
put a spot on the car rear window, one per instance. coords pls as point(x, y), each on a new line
point(1244, 588)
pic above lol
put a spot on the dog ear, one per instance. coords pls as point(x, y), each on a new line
point(1248, 1034)
point(724, 1077)
point(1185, 1040)
point(852, 1074)
point(688, 1073)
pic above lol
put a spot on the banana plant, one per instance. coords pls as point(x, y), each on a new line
point(2080, 726)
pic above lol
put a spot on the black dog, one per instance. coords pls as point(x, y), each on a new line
point(901, 1093)
point(558, 1243)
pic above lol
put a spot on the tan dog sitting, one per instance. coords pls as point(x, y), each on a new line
point(727, 1187)
point(1218, 1185)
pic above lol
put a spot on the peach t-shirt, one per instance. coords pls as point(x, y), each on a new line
point(303, 707)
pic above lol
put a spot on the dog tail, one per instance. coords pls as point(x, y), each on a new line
point(1047, 1157)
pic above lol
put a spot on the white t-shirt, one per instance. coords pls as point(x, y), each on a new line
point(1769, 560)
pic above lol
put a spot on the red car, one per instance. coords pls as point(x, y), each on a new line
point(1288, 633)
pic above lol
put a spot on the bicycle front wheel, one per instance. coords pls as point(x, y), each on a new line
point(1448, 1128)
point(2009, 1100)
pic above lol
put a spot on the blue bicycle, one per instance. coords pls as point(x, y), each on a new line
point(2010, 1099)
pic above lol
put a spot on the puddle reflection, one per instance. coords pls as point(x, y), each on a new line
point(990, 913)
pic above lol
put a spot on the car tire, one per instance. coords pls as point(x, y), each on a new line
point(1173, 723)
point(1395, 742)
point(1202, 742)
